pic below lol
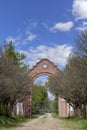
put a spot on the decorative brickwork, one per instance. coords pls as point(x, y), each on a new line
point(44, 67)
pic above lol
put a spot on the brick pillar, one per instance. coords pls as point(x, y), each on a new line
point(63, 108)
point(28, 106)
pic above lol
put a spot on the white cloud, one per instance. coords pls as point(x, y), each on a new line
point(26, 36)
point(84, 23)
point(30, 36)
point(15, 40)
point(10, 38)
point(82, 27)
point(57, 54)
point(62, 26)
point(80, 9)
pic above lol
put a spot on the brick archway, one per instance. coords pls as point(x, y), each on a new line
point(46, 67)
point(43, 67)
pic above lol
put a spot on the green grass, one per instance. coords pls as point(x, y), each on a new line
point(15, 121)
point(75, 123)
point(12, 121)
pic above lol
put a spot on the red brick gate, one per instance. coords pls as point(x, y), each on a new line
point(44, 67)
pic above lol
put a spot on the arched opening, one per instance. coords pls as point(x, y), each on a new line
point(43, 101)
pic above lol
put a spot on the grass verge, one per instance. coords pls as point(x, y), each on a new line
point(11, 121)
point(75, 123)
point(7, 122)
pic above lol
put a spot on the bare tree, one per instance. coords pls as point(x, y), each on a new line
point(72, 84)
point(14, 83)
point(81, 43)
point(76, 84)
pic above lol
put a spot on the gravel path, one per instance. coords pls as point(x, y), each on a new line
point(45, 122)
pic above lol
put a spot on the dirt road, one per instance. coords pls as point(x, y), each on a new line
point(46, 122)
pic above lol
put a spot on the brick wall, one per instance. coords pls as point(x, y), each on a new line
point(63, 107)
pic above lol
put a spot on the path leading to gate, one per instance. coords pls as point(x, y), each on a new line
point(46, 122)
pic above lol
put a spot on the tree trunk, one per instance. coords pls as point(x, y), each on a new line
point(84, 111)
point(77, 111)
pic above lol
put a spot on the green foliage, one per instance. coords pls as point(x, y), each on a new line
point(72, 123)
point(16, 57)
point(2, 109)
point(9, 122)
point(40, 99)
point(54, 84)
point(13, 79)
point(55, 105)
point(76, 83)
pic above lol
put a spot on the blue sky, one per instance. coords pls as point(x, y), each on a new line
point(43, 28)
